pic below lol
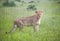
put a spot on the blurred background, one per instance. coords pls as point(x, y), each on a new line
point(49, 29)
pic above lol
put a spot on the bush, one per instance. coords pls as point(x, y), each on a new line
point(18, 0)
point(31, 2)
point(58, 2)
point(31, 7)
point(9, 4)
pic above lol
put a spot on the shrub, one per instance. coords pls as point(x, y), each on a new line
point(9, 4)
point(18, 0)
point(31, 7)
point(58, 2)
point(31, 2)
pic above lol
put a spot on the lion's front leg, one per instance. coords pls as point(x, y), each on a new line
point(36, 28)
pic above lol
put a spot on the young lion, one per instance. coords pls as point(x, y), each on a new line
point(28, 21)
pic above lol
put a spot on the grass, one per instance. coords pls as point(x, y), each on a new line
point(49, 30)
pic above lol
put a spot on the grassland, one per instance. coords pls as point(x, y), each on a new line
point(49, 30)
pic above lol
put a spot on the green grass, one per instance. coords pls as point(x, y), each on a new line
point(49, 30)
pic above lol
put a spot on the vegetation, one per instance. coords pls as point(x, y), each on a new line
point(10, 4)
point(31, 2)
point(49, 29)
point(18, 0)
point(31, 7)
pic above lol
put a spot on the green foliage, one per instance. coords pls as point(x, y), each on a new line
point(31, 7)
point(23, 1)
point(31, 2)
point(58, 2)
point(11, 4)
point(18, 0)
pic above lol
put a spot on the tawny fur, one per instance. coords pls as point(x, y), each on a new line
point(28, 21)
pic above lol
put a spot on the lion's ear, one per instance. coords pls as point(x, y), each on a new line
point(36, 11)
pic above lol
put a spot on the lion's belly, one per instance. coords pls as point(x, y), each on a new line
point(27, 23)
